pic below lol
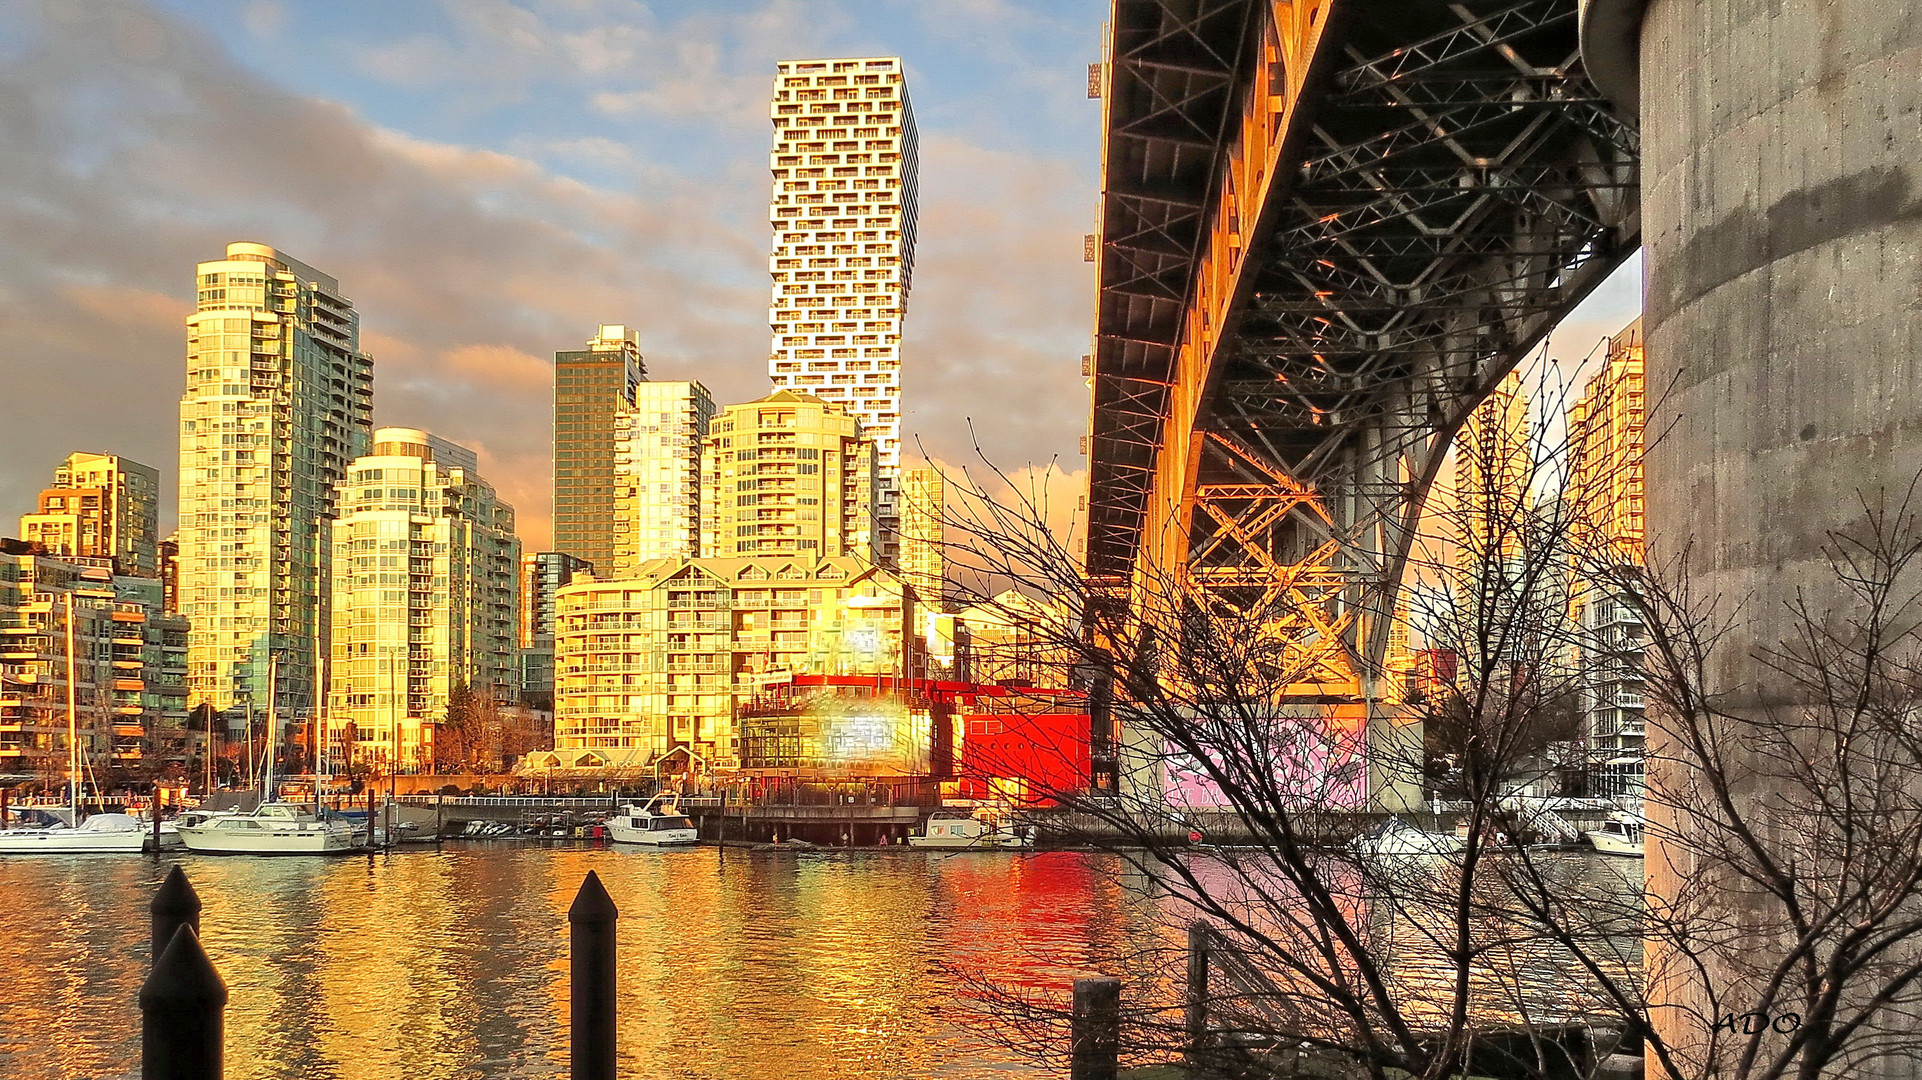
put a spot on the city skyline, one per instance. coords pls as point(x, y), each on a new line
point(545, 170)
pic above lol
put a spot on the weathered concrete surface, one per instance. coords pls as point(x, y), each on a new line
point(1782, 220)
point(1782, 216)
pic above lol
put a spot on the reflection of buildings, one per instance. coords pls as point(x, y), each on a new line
point(659, 661)
point(129, 664)
point(279, 399)
point(424, 571)
point(543, 575)
point(102, 507)
point(1605, 463)
point(789, 475)
point(657, 475)
point(845, 163)
point(593, 388)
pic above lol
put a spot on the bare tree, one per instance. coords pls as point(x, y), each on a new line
point(1794, 830)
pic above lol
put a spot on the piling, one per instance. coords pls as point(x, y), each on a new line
point(591, 941)
point(182, 1006)
point(175, 904)
point(1095, 1030)
point(1195, 1017)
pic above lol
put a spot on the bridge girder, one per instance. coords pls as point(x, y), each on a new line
point(1329, 228)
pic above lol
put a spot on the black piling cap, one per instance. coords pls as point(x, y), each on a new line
point(184, 977)
point(176, 896)
point(592, 905)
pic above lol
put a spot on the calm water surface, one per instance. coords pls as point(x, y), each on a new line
point(453, 963)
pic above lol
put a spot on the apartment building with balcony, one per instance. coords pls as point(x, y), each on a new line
point(660, 662)
point(543, 575)
point(129, 666)
point(425, 570)
point(279, 399)
point(845, 166)
point(923, 511)
point(100, 506)
point(659, 442)
point(1605, 493)
point(788, 475)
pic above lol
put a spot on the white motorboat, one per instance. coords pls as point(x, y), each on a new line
point(272, 829)
point(1396, 837)
point(953, 830)
point(1621, 834)
point(658, 823)
point(101, 832)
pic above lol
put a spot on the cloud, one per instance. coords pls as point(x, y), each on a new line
point(470, 265)
point(265, 19)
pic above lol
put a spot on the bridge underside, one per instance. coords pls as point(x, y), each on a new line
point(1330, 227)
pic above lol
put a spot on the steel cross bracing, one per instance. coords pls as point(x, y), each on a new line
point(1329, 228)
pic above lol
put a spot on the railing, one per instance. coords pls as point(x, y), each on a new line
point(513, 802)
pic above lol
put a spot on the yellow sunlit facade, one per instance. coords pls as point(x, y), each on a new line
point(661, 661)
point(279, 399)
point(100, 506)
point(426, 593)
point(791, 475)
point(658, 446)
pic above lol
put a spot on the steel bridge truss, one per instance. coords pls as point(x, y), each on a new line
point(1330, 227)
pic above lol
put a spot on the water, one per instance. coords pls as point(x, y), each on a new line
point(453, 963)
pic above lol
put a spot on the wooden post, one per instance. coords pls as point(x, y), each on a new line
point(175, 904)
point(1095, 1030)
point(156, 820)
point(1195, 1049)
point(182, 1026)
point(591, 951)
point(370, 815)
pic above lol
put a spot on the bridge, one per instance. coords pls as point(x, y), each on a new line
point(1329, 228)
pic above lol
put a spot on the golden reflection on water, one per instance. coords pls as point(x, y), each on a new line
point(453, 963)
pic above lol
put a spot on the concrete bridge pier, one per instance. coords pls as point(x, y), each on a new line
point(1782, 224)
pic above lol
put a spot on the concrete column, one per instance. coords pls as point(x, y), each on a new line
point(1782, 220)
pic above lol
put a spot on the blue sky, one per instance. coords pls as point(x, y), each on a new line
point(489, 180)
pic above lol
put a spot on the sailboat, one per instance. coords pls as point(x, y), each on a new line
point(272, 828)
point(101, 832)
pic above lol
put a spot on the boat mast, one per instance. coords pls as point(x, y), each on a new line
point(273, 734)
point(73, 724)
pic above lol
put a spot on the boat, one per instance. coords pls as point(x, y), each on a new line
point(658, 823)
point(955, 830)
point(101, 832)
point(1621, 834)
point(274, 828)
point(1396, 837)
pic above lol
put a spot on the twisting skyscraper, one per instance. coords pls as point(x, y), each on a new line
point(845, 166)
point(279, 399)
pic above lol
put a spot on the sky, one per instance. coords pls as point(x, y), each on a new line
point(490, 180)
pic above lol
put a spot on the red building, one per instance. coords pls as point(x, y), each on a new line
point(1025, 744)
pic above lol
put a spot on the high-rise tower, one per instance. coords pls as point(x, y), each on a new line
point(425, 573)
point(1494, 463)
point(657, 475)
point(279, 399)
point(845, 166)
point(593, 388)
